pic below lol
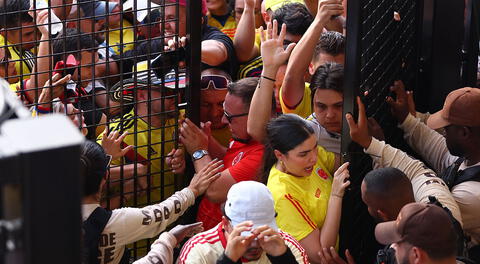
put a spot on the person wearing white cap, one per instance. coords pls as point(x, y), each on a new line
point(248, 232)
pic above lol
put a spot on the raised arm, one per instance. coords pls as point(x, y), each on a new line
point(40, 71)
point(293, 86)
point(214, 52)
point(244, 40)
point(273, 56)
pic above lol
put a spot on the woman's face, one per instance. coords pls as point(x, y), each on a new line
point(301, 160)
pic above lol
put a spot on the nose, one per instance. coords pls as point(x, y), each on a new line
point(224, 120)
point(254, 244)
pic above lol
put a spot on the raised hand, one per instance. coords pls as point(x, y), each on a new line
point(112, 143)
point(52, 91)
point(375, 129)
point(340, 181)
point(180, 232)
point(270, 240)
point(192, 137)
point(272, 51)
point(359, 131)
point(202, 179)
point(237, 244)
point(176, 161)
point(328, 9)
point(400, 106)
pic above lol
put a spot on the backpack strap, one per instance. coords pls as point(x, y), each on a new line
point(93, 228)
point(450, 173)
point(469, 174)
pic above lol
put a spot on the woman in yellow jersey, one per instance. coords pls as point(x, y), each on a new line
point(308, 200)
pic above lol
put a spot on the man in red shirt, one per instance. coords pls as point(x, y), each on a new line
point(241, 159)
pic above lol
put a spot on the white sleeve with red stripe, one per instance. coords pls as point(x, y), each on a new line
point(297, 249)
point(204, 248)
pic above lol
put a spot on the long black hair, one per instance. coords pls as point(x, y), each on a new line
point(284, 133)
point(93, 166)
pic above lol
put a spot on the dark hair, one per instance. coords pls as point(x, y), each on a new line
point(331, 42)
point(244, 88)
point(295, 16)
point(72, 41)
point(389, 188)
point(13, 13)
point(284, 133)
point(328, 76)
point(93, 166)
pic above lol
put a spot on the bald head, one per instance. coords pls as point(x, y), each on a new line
point(386, 191)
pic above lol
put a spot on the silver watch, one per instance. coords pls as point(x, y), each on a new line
point(199, 154)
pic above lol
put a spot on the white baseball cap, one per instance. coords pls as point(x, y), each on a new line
point(250, 201)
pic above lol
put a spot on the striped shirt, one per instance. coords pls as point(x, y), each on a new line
point(207, 247)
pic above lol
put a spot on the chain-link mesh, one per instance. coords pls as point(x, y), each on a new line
point(121, 61)
point(381, 48)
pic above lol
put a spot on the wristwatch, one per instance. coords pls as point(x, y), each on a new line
point(199, 154)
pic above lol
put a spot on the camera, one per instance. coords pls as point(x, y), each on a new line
point(386, 256)
point(64, 68)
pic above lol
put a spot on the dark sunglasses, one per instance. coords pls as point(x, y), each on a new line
point(218, 82)
point(231, 117)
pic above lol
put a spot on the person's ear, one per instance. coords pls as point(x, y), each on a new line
point(278, 154)
point(311, 68)
point(416, 255)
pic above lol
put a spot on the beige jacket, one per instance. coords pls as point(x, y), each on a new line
point(433, 148)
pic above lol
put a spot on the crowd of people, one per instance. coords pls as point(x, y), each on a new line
point(268, 174)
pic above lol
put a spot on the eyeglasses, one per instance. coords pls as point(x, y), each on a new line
point(231, 117)
point(218, 82)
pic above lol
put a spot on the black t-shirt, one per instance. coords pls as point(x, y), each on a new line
point(230, 65)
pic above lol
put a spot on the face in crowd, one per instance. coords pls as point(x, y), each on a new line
point(171, 25)
point(240, 6)
point(254, 251)
point(214, 84)
point(328, 107)
point(300, 160)
point(236, 116)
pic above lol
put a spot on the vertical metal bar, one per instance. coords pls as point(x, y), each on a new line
point(194, 36)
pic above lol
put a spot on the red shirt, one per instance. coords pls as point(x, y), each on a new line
point(243, 162)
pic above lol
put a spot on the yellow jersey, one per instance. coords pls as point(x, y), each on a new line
point(229, 28)
point(125, 37)
point(301, 202)
point(304, 108)
point(148, 142)
point(24, 63)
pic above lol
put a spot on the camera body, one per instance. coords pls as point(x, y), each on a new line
point(386, 256)
point(64, 68)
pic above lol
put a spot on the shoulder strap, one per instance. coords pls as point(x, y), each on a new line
point(450, 173)
point(92, 228)
point(469, 174)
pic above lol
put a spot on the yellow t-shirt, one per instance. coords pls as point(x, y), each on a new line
point(229, 28)
point(23, 64)
point(158, 138)
point(304, 108)
point(301, 202)
point(127, 39)
point(222, 135)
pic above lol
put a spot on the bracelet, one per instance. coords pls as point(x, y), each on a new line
point(268, 78)
point(336, 195)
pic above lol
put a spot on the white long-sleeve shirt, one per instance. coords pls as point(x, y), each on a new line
point(128, 225)
point(433, 148)
point(424, 181)
point(161, 250)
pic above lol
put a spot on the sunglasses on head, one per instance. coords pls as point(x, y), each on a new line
point(218, 82)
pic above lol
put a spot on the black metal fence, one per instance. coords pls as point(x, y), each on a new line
point(390, 40)
point(126, 75)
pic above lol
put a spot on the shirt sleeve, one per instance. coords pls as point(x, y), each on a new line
point(424, 181)
point(297, 250)
point(133, 224)
point(230, 65)
point(197, 254)
point(161, 250)
point(327, 159)
point(428, 143)
point(303, 109)
point(293, 218)
point(247, 168)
